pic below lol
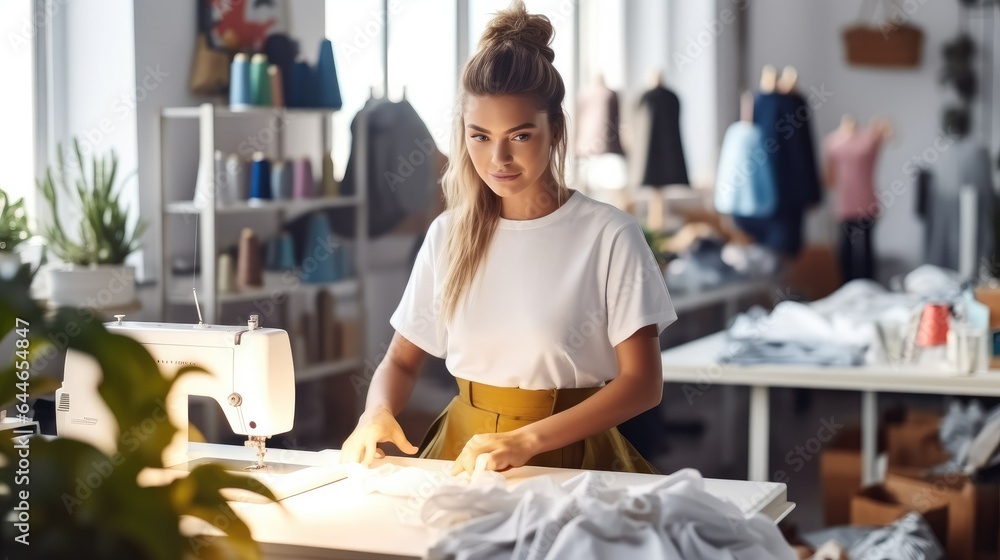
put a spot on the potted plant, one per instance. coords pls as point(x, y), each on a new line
point(84, 503)
point(95, 246)
point(13, 232)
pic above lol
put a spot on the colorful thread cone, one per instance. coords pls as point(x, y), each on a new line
point(933, 329)
point(236, 177)
point(301, 86)
point(277, 89)
point(225, 279)
point(327, 86)
point(302, 186)
point(316, 270)
point(260, 177)
point(260, 83)
point(249, 273)
point(286, 252)
point(281, 180)
point(239, 83)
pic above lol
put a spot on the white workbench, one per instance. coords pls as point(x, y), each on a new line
point(695, 364)
point(338, 521)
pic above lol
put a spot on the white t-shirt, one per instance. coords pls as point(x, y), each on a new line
point(552, 298)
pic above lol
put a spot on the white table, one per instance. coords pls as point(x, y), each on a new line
point(337, 521)
point(695, 364)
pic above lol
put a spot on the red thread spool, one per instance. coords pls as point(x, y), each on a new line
point(933, 329)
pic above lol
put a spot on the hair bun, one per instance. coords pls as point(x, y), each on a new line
point(516, 27)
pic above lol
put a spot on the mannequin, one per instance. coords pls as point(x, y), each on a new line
point(768, 78)
point(657, 158)
point(746, 106)
point(850, 157)
point(789, 77)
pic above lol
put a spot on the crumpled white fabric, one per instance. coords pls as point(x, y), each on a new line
point(672, 517)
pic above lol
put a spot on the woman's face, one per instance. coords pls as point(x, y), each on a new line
point(508, 139)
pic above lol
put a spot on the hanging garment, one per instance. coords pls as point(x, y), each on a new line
point(784, 121)
point(657, 159)
point(597, 122)
point(855, 246)
point(402, 169)
point(851, 159)
point(966, 162)
point(744, 183)
point(669, 518)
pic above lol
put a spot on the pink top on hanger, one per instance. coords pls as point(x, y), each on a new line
point(851, 158)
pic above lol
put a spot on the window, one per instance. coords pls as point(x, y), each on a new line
point(422, 56)
point(17, 59)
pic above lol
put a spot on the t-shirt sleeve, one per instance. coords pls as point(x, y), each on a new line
point(636, 294)
point(416, 317)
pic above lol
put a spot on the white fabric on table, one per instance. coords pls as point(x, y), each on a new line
point(671, 517)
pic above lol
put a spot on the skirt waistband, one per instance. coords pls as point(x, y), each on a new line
point(525, 403)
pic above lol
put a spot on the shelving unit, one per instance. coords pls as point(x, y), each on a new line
point(278, 286)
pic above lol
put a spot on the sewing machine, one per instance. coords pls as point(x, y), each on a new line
point(248, 371)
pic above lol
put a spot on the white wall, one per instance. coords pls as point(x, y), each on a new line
point(805, 33)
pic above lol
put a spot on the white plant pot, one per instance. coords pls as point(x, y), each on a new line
point(9, 263)
point(99, 287)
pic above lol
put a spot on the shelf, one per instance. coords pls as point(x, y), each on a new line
point(291, 208)
point(275, 284)
point(323, 369)
point(220, 111)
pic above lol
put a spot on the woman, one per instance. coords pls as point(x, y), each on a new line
point(546, 304)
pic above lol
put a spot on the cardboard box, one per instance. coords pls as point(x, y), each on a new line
point(882, 504)
point(840, 475)
point(973, 510)
point(917, 441)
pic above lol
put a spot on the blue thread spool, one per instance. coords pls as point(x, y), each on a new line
point(260, 177)
point(300, 94)
point(317, 270)
point(239, 83)
point(281, 180)
point(286, 252)
point(327, 86)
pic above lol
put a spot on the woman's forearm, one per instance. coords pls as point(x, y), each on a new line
point(620, 400)
point(391, 386)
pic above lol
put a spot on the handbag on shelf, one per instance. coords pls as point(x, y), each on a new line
point(886, 44)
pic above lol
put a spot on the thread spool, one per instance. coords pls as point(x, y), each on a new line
point(286, 252)
point(330, 185)
point(260, 83)
point(302, 186)
point(300, 94)
point(239, 83)
point(271, 254)
point(316, 270)
point(260, 177)
point(249, 273)
point(933, 328)
point(277, 90)
point(224, 193)
point(327, 85)
point(281, 180)
point(236, 177)
point(225, 277)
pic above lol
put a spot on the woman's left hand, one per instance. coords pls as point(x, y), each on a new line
point(504, 451)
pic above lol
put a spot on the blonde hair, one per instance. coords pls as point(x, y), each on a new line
point(513, 58)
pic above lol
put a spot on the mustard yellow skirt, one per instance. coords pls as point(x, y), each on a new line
point(480, 408)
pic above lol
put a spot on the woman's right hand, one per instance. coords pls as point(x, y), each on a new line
point(374, 427)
